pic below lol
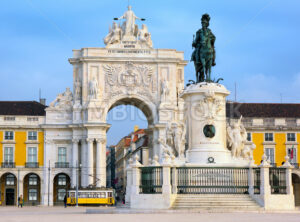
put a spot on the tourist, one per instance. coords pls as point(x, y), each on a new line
point(20, 201)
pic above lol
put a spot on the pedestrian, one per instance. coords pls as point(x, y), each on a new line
point(20, 201)
point(65, 201)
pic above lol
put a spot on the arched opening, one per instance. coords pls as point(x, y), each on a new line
point(32, 189)
point(129, 135)
point(296, 187)
point(8, 185)
point(60, 187)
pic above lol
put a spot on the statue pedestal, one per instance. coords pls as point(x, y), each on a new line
point(205, 105)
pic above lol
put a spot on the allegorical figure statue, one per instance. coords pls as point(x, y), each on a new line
point(236, 138)
point(93, 88)
point(129, 27)
point(204, 54)
point(114, 35)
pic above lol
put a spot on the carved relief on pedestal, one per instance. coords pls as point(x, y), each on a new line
point(129, 79)
point(209, 106)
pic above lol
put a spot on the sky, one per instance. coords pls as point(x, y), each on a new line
point(257, 44)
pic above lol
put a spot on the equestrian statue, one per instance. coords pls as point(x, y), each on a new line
point(204, 54)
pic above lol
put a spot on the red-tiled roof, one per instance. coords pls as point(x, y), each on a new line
point(263, 110)
point(22, 108)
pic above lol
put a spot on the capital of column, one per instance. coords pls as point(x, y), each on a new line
point(89, 140)
point(49, 141)
point(101, 140)
point(75, 141)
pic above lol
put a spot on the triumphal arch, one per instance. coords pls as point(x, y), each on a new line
point(128, 70)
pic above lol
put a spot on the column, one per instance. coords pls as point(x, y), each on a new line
point(49, 145)
point(136, 176)
point(166, 186)
point(74, 161)
point(90, 162)
point(129, 181)
point(83, 163)
point(250, 181)
point(101, 162)
point(265, 188)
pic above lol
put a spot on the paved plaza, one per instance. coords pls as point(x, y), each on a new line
point(45, 214)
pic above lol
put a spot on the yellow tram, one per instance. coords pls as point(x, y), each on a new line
point(92, 197)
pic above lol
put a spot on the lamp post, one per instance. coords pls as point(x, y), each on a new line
point(77, 175)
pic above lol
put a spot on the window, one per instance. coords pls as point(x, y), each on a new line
point(292, 153)
point(9, 135)
point(291, 137)
point(32, 155)
point(61, 194)
point(33, 180)
point(62, 180)
point(268, 136)
point(9, 118)
point(249, 137)
point(10, 180)
point(270, 155)
point(32, 194)
point(32, 135)
point(31, 119)
point(62, 154)
point(8, 154)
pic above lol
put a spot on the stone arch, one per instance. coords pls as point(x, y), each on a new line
point(61, 184)
point(8, 191)
point(145, 105)
point(296, 187)
point(32, 189)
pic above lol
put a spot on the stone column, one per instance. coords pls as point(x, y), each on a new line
point(129, 181)
point(174, 180)
point(265, 188)
point(288, 176)
point(74, 161)
point(136, 177)
point(101, 163)
point(166, 187)
point(251, 177)
point(90, 161)
point(83, 163)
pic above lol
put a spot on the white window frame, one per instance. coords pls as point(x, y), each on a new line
point(269, 140)
point(291, 141)
point(13, 133)
point(37, 179)
point(36, 192)
point(13, 153)
point(27, 153)
point(295, 154)
point(273, 148)
point(30, 132)
point(58, 154)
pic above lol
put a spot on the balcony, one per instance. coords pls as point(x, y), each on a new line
point(8, 165)
point(273, 164)
point(31, 165)
point(296, 165)
point(62, 165)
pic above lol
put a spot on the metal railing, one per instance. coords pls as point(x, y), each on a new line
point(219, 180)
point(8, 165)
point(256, 174)
point(31, 165)
point(277, 180)
point(151, 180)
point(62, 165)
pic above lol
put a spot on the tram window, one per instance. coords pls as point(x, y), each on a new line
point(33, 180)
point(62, 180)
point(10, 180)
point(61, 194)
point(102, 195)
point(32, 194)
point(72, 194)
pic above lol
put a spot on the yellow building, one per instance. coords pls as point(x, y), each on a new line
point(21, 151)
point(275, 130)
